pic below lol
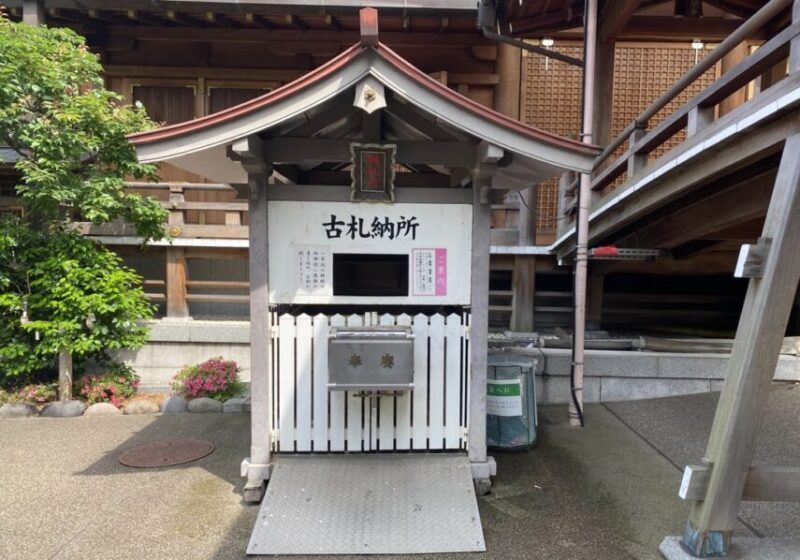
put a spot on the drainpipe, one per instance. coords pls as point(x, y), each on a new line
point(582, 218)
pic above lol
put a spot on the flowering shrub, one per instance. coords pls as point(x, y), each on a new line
point(113, 386)
point(37, 394)
point(8, 396)
point(215, 378)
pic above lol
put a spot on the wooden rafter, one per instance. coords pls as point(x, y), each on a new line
point(615, 17)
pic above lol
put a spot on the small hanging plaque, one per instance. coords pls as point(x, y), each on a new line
point(373, 172)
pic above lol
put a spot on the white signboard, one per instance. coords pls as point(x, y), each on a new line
point(435, 237)
point(504, 397)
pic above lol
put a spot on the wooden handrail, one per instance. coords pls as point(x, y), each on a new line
point(757, 21)
point(175, 184)
point(769, 54)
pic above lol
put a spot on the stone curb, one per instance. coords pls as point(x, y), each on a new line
point(172, 404)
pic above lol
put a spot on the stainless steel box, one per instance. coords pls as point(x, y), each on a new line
point(377, 358)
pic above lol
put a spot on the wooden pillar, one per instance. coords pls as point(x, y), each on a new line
point(482, 466)
point(33, 12)
point(258, 466)
point(507, 101)
point(177, 304)
point(509, 70)
point(773, 75)
point(737, 55)
point(594, 301)
point(524, 274)
point(603, 92)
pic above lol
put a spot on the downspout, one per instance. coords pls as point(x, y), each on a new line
point(582, 218)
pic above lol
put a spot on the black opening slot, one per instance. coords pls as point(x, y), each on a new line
point(370, 275)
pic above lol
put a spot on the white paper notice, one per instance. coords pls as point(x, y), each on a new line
point(312, 266)
point(429, 272)
point(504, 397)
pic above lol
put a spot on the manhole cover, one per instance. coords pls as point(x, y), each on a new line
point(166, 453)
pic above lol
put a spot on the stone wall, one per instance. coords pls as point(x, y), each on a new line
point(610, 375)
point(174, 344)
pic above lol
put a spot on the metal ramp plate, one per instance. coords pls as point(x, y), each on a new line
point(369, 504)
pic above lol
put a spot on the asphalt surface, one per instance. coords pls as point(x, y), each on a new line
point(678, 427)
point(603, 492)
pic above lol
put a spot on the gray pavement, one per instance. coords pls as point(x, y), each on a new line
point(678, 427)
point(602, 492)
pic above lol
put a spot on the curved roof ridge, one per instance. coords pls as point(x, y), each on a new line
point(341, 61)
point(250, 105)
point(412, 71)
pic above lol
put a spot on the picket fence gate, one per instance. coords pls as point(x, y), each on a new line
point(309, 418)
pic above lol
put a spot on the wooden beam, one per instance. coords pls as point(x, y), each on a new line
point(368, 26)
point(321, 120)
point(743, 202)
point(194, 72)
point(672, 28)
point(256, 20)
point(146, 18)
point(412, 117)
point(294, 21)
point(181, 18)
point(731, 8)
point(295, 150)
point(332, 23)
point(614, 18)
point(428, 180)
point(751, 367)
point(283, 37)
point(763, 483)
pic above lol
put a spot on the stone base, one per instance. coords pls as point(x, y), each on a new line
point(742, 548)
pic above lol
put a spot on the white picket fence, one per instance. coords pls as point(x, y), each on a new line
point(310, 418)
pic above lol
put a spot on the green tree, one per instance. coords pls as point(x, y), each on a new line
point(72, 158)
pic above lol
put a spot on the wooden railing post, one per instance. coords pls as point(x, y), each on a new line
point(636, 161)
point(699, 118)
point(177, 304)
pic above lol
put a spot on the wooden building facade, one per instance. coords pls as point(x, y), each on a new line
point(185, 60)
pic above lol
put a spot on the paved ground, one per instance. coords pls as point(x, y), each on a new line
point(602, 493)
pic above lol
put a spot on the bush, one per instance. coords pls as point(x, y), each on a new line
point(36, 394)
point(215, 378)
point(114, 386)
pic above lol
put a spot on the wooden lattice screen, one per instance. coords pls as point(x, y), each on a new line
point(551, 99)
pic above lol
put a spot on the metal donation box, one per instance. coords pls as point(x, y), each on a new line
point(379, 358)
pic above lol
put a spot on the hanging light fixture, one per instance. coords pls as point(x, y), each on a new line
point(698, 46)
point(547, 42)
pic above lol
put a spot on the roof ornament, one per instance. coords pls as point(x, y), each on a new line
point(368, 19)
point(370, 95)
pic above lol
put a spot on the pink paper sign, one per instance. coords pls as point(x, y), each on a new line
point(441, 272)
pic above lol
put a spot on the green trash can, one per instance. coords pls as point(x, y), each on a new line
point(511, 419)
